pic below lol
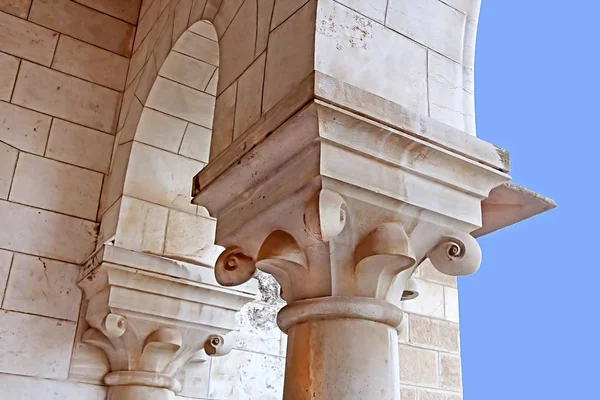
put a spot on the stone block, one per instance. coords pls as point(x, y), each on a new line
point(160, 130)
point(141, 226)
point(5, 263)
point(407, 393)
point(189, 235)
point(131, 121)
point(147, 78)
point(8, 162)
point(24, 129)
point(249, 90)
point(55, 186)
point(291, 49)
point(204, 28)
point(257, 329)
point(182, 102)
point(438, 395)
point(35, 346)
point(90, 63)
point(451, 304)
point(430, 301)
point(433, 333)
point(187, 70)
point(212, 85)
point(222, 134)
point(181, 16)
point(45, 233)
point(43, 287)
point(430, 22)
point(196, 143)
point(26, 40)
point(82, 23)
point(26, 388)
point(125, 10)
point(161, 177)
point(9, 66)
point(374, 9)
point(446, 102)
point(450, 372)
point(146, 23)
point(263, 21)
point(418, 366)
point(283, 10)
point(246, 375)
point(391, 65)
point(20, 8)
point(113, 187)
point(198, 47)
point(81, 146)
point(66, 97)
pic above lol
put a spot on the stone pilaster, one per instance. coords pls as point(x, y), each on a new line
point(155, 318)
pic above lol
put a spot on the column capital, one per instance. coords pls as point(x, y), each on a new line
point(336, 204)
point(153, 316)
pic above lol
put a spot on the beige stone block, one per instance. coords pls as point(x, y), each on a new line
point(20, 8)
point(163, 46)
point(407, 393)
point(147, 79)
point(131, 122)
point(160, 130)
point(391, 65)
point(141, 226)
point(128, 96)
point(187, 71)
point(212, 6)
point(225, 15)
point(431, 23)
point(430, 301)
point(137, 62)
point(434, 333)
point(194, 378)
point(237, 46)
point(246, 375)
point(438, 395)
point(197, 10)
point(450, 372)
point(45, 233)
point(418, 366)
point(374, 9)
point(161, 177)
point(90, 63)
point(291, 49)
point(75, 144)
point(26, 388)
point(257, 329)
point(212, 85)
point(451, 304)
point(467, 7)
point(222, 135)
point(189, 235)
point(24, 129)
point(249, 96)
point(126, 10)
point(8, 162)
point(196, 143)
point(263, 21)
point(445, 91)
point(113, 188)
point(284, 9)
point(9, 66)
point(26, 40)
point(55, 186)
point(203, 28)
point(84, 23)
point(5, 263)
point(146, 23)
point(43, 287)
point(181, 17)
point(35, 346)
point(67, 97)
point(182, 102)
point(108, 223)
point(428, 272)
point(198, 47)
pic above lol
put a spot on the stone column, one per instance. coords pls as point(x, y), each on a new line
point(341, 211)
point(153, 317)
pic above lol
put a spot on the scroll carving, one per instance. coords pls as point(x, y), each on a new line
point(233, 267)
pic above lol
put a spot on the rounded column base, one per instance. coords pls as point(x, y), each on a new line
point(139, 393)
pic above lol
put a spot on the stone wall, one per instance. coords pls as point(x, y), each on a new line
point(102, 99)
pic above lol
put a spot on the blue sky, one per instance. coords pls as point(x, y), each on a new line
point(528, 328)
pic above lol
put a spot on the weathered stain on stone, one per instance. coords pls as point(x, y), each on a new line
point(504, 157)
